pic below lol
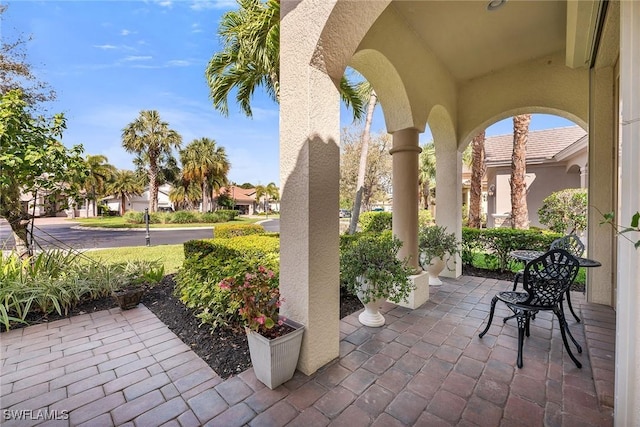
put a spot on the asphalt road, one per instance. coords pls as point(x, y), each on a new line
point(66, 235)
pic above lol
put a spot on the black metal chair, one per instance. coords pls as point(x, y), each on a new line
point(545, 281)
point(570, 243)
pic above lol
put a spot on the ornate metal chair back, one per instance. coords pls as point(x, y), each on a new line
point(548, 277)
point(570, 243)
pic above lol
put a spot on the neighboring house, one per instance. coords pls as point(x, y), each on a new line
point(244, 199)
point(556, 160)
point(139, 203)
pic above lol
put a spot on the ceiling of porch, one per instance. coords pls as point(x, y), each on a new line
point(471, 41)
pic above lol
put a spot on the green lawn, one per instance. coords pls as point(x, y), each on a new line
point(119, 222)
point(171, 256)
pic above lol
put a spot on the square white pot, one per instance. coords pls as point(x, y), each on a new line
point(274, 361)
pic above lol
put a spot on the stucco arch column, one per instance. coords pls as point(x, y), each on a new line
point(627, 382)
point(449, 193)
point(601, 180)
point(309, 178)
point(405, 152)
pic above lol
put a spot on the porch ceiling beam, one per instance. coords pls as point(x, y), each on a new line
point(582, 28)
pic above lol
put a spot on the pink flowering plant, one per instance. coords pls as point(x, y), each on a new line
point(257, 297)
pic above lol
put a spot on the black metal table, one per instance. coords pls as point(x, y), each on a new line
point(527, 255)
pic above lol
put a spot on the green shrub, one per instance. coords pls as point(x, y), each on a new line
point(133, 217)
point(499, 242)
point(227, 214)
point(211, 217)
point(565, 211)
point(184, 217)
point(375, 221)
point(226, 231)
point(209, 262)
point(424, 218)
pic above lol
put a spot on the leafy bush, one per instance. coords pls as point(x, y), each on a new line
point(499, 242)
point(565, 211)
point(184, 217)
point(375, 221)
point(227, 214)
point(424, 218)
point(226, 231)
point(208, 262)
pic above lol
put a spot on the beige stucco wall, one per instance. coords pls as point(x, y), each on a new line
point(542, 180)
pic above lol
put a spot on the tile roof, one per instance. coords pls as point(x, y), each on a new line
point(240, 194)
point(542, 144)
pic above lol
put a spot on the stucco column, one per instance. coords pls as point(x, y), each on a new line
point(449, 194)
point(584, 176)
point(627, 382)
point(602, 179)
point(405, 152)
point(309, 178)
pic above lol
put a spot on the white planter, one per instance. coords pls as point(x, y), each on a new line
point(274, 361)
point(434, 269)
point(371, 315)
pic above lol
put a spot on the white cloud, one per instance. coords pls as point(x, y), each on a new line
point(195, 28)
point(165, 3)
point(125, 32)
point(137, 58)
point(105, 46)
point(178, 63)
point(213, 4)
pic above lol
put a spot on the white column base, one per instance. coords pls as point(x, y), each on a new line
point(420, 294)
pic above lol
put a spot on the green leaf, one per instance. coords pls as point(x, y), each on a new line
point(635, 220)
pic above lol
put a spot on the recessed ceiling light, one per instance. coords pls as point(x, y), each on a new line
point(495, 4)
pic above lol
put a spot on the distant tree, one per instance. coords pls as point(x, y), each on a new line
point(378, 175)
point(247, 186)
point(150, 138)
point(125, 185)
point(15, 70)
point(426, 172)
point(32, 161)
point(365, 91)
point(206, 164)
point(225, 200)
point(100, 172)
point(519, 212)
point(478, 168)
point(185, 194)
point(250, 58)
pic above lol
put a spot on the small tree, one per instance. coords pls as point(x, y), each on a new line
point(565, 211)
point(32, 160)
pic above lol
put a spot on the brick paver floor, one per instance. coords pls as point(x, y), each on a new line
point(425, 367)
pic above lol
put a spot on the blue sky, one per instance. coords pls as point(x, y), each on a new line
point(108, 60)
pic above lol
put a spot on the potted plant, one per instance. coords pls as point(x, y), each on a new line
point(274, 341)
point(135, 278)
point(370, 268)
point(437, 248)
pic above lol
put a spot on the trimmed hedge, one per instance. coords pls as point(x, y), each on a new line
point(207, 262)
point(375, 221)
point(227, 231)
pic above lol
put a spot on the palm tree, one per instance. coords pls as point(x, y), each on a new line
point(364, 90)
point(206, 164)
point(150, 138)
point(184, 194)
point(519, 212)
point(426, 171)
point(250, 58)
point(273, 193)
point(478, 168)
point(124, 185)
point(100, 173)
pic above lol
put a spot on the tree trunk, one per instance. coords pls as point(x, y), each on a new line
point(153, 184)
point(205, 202)
point(123, 200)
point(11, 210)
point(477, 172)
point(425, 194)
point(362, 169)
point(519, 212)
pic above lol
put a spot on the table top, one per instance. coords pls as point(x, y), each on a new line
point(528, 255)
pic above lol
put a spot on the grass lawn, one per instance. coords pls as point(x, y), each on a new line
point(171, 256)
point(119, 222)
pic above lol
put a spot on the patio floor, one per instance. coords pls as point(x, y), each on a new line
point(425, 367)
